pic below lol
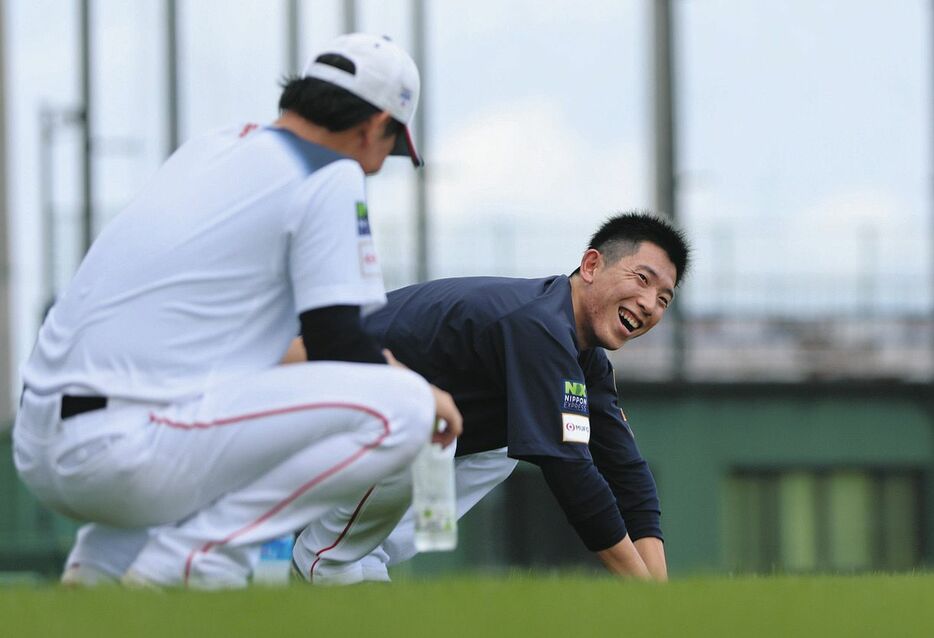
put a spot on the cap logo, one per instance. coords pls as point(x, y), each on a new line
point(405, 96)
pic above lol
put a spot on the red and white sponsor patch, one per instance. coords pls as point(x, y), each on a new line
point(575, 428)
point(369, 262)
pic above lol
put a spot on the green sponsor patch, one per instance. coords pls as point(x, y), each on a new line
point(575, 388)
point(363, 220)
point(575, 397)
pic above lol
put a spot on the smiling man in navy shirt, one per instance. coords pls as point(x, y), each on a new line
point(526, 364)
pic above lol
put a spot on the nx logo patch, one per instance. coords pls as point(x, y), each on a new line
point(575, 397)
point(363, 220)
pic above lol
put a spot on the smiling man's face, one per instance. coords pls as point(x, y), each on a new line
point(624, 299)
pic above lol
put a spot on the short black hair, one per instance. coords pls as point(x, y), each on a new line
point(328, 105)
point(620, 236)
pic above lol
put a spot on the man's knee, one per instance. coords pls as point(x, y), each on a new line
point(412, 409)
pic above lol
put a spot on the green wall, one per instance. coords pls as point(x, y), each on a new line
point(694, 436)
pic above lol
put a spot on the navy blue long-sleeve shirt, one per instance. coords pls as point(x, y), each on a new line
point(506, 350)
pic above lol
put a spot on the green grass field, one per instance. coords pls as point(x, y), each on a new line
point(481, 607)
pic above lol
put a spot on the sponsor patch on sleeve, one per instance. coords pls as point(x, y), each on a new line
point(369, 262)
point(575, 428)
point(575, 397)
point(363, 220)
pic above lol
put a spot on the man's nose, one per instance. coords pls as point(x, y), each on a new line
point(648, 303)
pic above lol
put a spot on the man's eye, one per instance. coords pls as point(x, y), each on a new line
point(644, 279)
point(664, 301)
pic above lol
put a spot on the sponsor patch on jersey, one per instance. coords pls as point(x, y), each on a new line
point(363, 220)
point(575, 397)
point(369, 262)
point(575, 428)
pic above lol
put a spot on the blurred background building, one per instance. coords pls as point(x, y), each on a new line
point(787, 408)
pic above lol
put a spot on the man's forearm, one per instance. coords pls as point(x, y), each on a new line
point(296, 352)
point(623, 559)
point(652, 552)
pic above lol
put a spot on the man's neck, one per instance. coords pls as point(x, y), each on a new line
point(577, 303)
point(340, 142)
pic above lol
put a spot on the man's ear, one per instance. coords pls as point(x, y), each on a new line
point(374, 128)
point(589, 262)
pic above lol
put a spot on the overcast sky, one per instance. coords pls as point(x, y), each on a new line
point(804, 153)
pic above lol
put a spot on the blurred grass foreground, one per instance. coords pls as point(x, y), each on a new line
point(517, 605)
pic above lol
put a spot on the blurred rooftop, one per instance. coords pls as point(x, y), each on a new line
point(753, 349)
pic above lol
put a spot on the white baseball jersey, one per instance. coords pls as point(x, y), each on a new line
point(200, 279)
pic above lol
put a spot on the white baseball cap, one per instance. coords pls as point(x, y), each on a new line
point(384, 75)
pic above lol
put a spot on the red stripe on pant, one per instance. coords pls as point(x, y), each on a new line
point(353, 517)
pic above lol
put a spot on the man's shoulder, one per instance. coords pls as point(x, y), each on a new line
point(488, 298)
point(540, 313)
point(596, 363)
point(312, 157)
point(259, 149)
point(544, 304)
point(507, 295)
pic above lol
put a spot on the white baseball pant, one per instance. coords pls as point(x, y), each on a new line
point(475, 476)
point(198, 486)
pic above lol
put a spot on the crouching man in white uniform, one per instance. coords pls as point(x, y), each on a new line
point(154, 408)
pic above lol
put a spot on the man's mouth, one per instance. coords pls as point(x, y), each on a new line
point(629, 320)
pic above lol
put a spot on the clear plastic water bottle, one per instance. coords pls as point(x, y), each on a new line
point(434, 499)
point(275, 562)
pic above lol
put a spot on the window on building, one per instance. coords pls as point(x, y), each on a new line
point(802, 520)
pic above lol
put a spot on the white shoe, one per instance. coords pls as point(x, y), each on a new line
point(78, 575)
point(134, 580)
